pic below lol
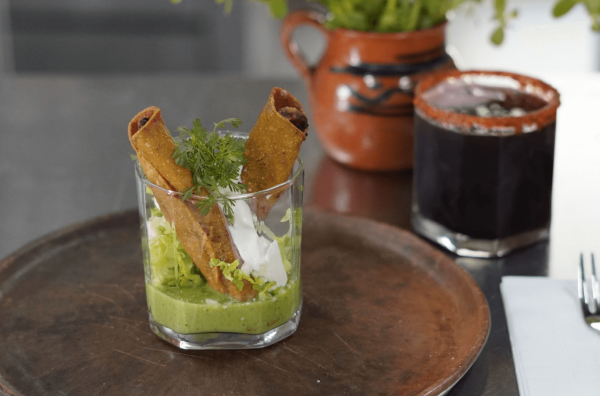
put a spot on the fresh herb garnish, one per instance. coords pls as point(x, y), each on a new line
point(215, 163)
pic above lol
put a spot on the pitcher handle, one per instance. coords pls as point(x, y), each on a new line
point(290, 47)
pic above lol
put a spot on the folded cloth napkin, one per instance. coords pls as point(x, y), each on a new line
point(555, 351)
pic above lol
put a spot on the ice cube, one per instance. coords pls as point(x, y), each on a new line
point(517, 112)
point(498, 110)
point(482, 111)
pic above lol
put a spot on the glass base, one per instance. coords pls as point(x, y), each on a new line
point(465, 246)
point(204, 341)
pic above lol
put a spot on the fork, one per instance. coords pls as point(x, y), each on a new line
point(590, 304)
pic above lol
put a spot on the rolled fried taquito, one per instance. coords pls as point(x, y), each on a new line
point(273, 145)
point(202, 237)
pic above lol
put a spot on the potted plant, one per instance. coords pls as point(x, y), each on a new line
point(377, 50)
point(360, 91)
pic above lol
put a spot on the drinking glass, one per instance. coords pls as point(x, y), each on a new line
point(183, 309)
point(484, 156)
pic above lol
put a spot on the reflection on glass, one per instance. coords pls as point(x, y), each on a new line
point(383, 196)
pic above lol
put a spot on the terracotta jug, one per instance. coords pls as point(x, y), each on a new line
point(361, 90)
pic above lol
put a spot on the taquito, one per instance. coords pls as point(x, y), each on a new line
point(273, 146)
point(202, 237)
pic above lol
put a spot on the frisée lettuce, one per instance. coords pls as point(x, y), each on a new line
point(237, 276)
point(170, 264)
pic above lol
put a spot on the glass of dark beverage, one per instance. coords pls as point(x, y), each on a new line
point(484, 157)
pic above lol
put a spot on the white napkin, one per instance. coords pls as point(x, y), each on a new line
point(555, 351)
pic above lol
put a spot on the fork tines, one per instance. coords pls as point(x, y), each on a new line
point(589, 304)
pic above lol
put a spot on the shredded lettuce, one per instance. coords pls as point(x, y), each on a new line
point(236, 276)
point(155, 212)
point(171, 265)
point(285, 247)
point(296, 217)
point(286, 242)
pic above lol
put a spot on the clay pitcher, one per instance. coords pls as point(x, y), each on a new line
point(361, 90)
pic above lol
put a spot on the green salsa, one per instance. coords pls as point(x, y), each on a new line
point(201, 309)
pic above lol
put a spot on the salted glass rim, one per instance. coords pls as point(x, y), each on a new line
point(298, 165)
point(532, 121)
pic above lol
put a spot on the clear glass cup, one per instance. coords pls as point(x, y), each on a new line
point(183, 309)
point(484, 155)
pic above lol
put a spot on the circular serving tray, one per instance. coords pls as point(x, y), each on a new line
point(383, 313)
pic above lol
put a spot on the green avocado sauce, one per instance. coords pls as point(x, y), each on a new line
point(200, 310)
point(180, 298)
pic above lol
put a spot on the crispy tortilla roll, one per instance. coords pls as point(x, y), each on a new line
point(274, 144)
point(203, 237)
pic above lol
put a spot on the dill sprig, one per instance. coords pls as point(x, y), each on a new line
point(215, 162)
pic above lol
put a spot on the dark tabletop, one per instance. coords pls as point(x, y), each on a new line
point(64, 158)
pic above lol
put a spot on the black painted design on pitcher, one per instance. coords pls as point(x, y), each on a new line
point(373, 101)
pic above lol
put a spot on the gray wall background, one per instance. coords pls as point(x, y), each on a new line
point(195, 36)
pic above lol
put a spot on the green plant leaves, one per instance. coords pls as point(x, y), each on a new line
point(498, 36)
point(399, 16)
point(502, 17)
point(278, 8)
point(228, 5)
point(413, 17)
point(500, 6)
point(562, 7)
point(592, 6)
point(386, 15)
point(409, 15)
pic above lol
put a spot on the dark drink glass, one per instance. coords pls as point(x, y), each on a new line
point(484, 156)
